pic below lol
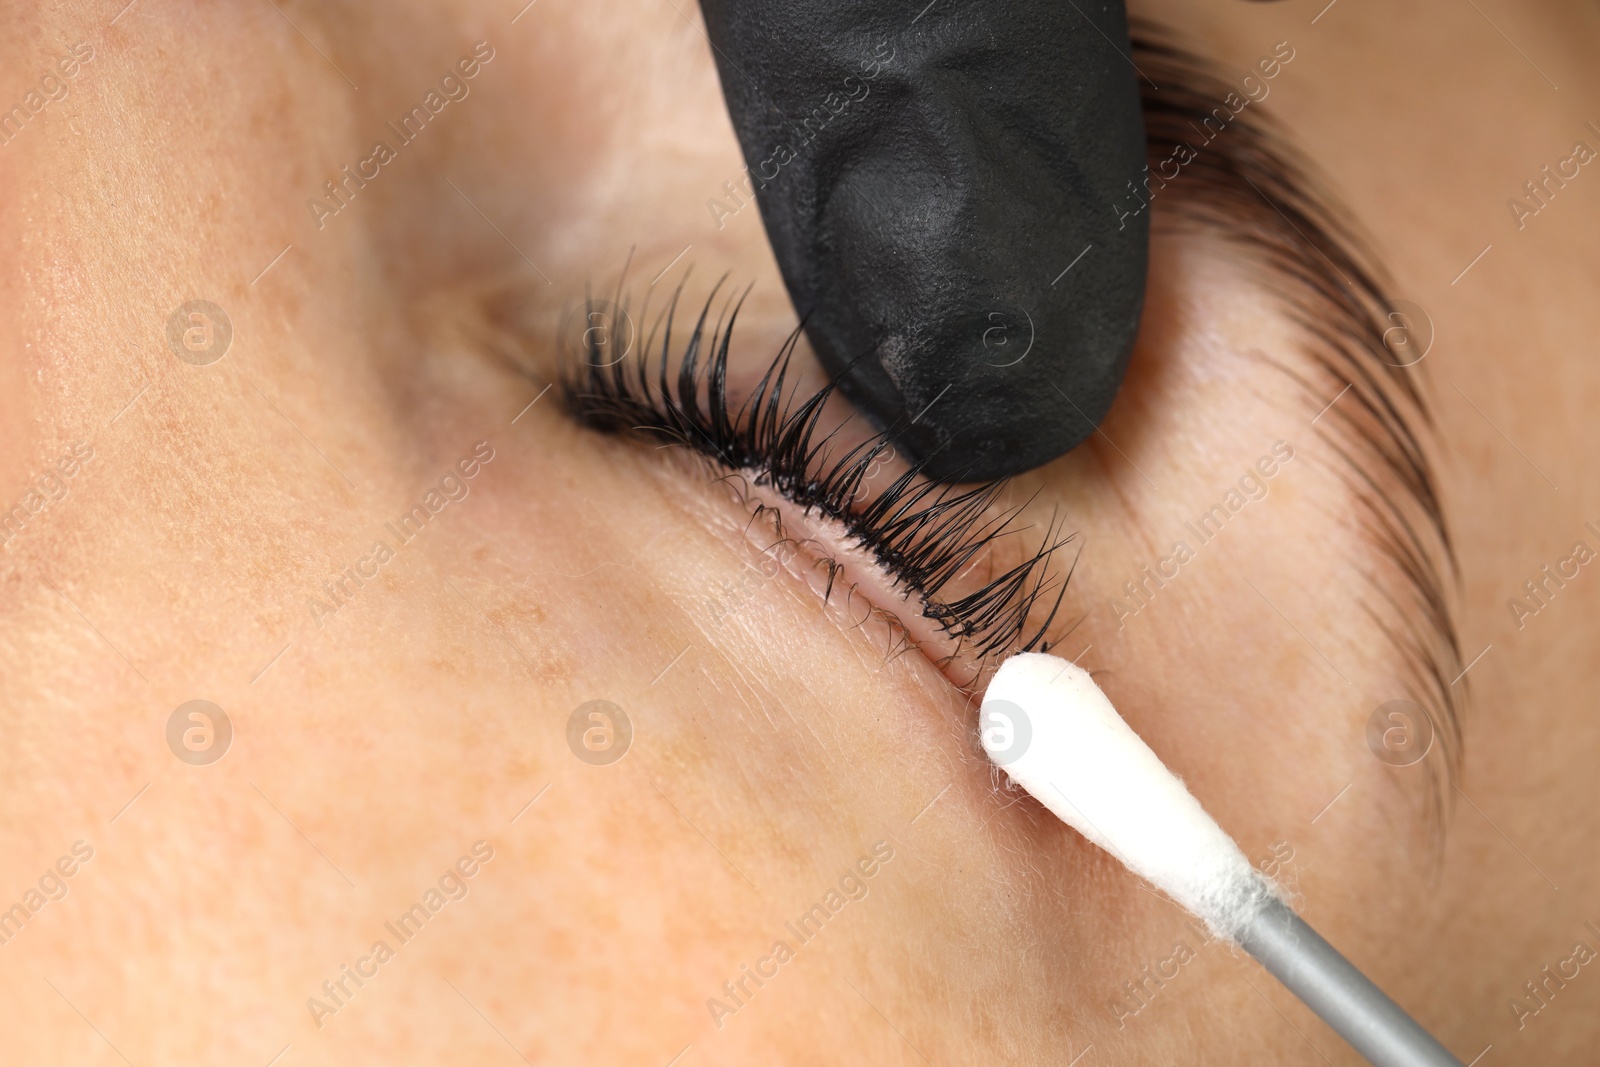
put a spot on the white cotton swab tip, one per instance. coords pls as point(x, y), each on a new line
point(1055, 733)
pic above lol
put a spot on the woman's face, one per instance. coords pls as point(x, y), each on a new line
point(420, 844)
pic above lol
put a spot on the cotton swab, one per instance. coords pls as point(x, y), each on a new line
point(1046, 722)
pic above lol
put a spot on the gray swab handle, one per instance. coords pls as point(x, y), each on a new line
point(1057, 736)
point(1342, 996)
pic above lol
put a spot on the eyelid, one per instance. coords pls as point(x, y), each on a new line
point(923, 534)
point(1250, 188)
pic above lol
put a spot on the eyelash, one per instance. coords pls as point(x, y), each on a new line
point(922, 533)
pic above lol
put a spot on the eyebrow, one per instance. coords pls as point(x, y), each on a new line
point(1247, 184)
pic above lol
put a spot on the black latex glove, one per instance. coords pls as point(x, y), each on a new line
point(925, 180)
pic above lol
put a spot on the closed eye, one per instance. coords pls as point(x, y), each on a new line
point(928, 537)
point(1240, 181)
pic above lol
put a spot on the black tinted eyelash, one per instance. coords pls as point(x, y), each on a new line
point(922, 533)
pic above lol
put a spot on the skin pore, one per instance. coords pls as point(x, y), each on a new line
point(381, 351)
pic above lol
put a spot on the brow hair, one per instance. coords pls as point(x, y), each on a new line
point(1248, 185)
